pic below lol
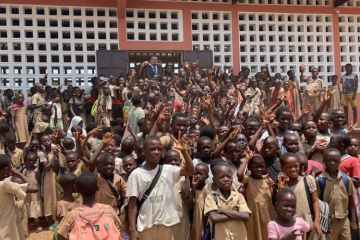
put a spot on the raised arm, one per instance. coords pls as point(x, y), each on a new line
point(180, 145)
point(106, 139)
point(32, 188)
point(222, 146)
point(327, 97)
point(302, 69)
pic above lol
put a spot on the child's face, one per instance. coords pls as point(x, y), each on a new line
point(11, 145)
point(242, 141)
point(34, 146)
point(291, 167)
point(201, 174)
point(223, 130)
point(257, 168)
point(78, 92)
point(291, 144)
point(284, 119)
point(296, 127)
point(153, 151)
point(270, 148)
point(71, 161)
point(286, 207)
point(139, 150)
point(339, 118)
point(286, 86)
point(106, 90)
point(111, 147)
point(323, 122)
point(354, 147)
point(180, 124)
point(332, 161)
point(173, 158)
point(20, 99)
point(30, 161)
point(223, 93)
point(253, 83)
point(250, 129)
point(233, 153)
point(128, 165)
point(46, 142)
point(315, 72)
point(107, 166)
point(204, 148)
point(310, 129)
point(223, 178)
point(334, 80)
point(193, 119)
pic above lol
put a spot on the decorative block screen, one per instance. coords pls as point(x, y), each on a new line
point(284, 41)
point(61, 41)
point(351, 3)
point(212, 31)
point(154, 25)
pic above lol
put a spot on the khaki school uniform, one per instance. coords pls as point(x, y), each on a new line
point(167, 145)
point(104, 195)
point(198, 214)
point(16, 157)
point(317, 84)
point(37, 99)
point(181, 230)
point(230, 229)
point(22, 217)
point(66, 222)
point(337, 197)
point(256, 99)
point(63, 207)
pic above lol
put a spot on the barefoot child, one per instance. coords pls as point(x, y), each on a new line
point(9, 228)
point(20, 120)
point(336, 101)
point(229, 212)
point(14, 153)
point(291, 167)
point(286, 226)
point(182, 192)
point(21, 211)
point(260, 190)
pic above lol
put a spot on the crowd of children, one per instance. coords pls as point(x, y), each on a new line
point(200, 155)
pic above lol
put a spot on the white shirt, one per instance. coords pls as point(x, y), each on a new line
point(160, 207)
point(196, 161)
point(58, 110)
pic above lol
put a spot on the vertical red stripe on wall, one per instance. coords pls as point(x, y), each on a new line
point(336, 44)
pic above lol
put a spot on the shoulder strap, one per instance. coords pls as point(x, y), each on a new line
point(114, 192)
point(308, 195)
point(151, 187)
point(322, 184)
point(213, 226)
point(345, 180)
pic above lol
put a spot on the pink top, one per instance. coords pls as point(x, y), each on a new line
point(277, 231)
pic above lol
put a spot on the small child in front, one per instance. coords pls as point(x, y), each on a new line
point(157, 214)
point(231, 211)
point(286, 226)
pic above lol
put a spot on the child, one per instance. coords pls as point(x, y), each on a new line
point(77, 103)
point(9, 228)
point(204, 151)
point(253, 95)
point(269, 152)
point(259, 192)
point(276, 92)
point(336, 101)
point(104, 107)
point(313, 146)
point(158, 213)
point(139, 146)
point(21, 212)
point(291, 167)
point(338, 123)
point(349, 82)
point(111, 185)
point(56, 116)
point(296, 96)
point(353, 149)
point(128, 165)
point(20, 120)
point(337, 196)
point(87, 186)
point(37, 102)
point(286, 226)
point(66, 204)
point(198, 184)
point(182, 191)
point(292, 143)
point(230, 211)
point(33, 201)
point(14, 153)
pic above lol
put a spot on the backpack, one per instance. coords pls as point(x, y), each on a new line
point(208, 234)
point(95, 105)
point(93, 224)
point(76, 108)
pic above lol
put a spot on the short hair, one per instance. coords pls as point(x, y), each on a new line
point(255, 116)
point(329, 150)
point(151, 138)
point(129, 94)
point(215, 162)
point(286, 156)
point(117, 137)
point(207, 131)
point(289, 135)
point(307, 121)
point(348, 64)
point(336, 111)
point(219, 165)
point(90, 126)
point(204, 166)
point(87, 184)
point(141, 122)
point(283, 192)
point(178, 115)
point(118, 130)
point(128, 156)
point(281, 110)
point(223, 87)
point(10, 137)
point(136, 99)
point(68, 142)
point(251, 120)
point(66, 179)
point(255, 159)
point(342, 138)
point(31, 154)
point(73, 153)
point(4, 161)
point(139, 143)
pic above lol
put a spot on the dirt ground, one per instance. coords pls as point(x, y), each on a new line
point(44, 235)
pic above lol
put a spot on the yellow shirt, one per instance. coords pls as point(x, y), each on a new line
point(336, 195)
point(229, 230)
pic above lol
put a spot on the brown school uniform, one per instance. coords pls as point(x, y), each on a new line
point(181, 230)
point(33, 201)
point(104, 195)
point(66, 222)
point(63, 207)
point(37, 99)
point(167, 145)
point(198, 213)
point(16, 157)
point(22, 217)
point(337, 197)
point(229, 229)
